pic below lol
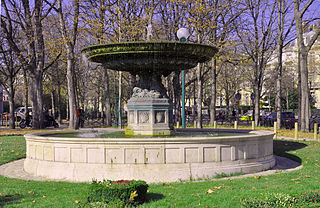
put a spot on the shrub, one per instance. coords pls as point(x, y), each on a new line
point(313, 196)
point(122, 192)
point(253, 203)
point(278, 200)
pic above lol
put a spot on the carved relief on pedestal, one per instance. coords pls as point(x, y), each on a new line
point(131, 116)
point(160, 116)
point(143, 116)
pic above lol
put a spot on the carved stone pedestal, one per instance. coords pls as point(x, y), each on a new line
point(149, 116)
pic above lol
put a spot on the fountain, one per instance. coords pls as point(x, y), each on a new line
point(155, 152)
point(149, 108)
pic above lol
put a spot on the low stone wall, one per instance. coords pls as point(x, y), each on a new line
point(150, 159)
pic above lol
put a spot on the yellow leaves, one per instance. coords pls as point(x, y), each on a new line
point(210, 191)
point(257, 177)
point(214, 188)
point(34, 201)
point(133, 195)
point(77, 201)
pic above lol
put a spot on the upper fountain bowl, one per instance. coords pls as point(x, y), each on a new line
point(142, 57)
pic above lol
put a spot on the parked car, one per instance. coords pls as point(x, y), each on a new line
point(287, 119)
point(20, 113)
point(247, 116)
point(315, 118)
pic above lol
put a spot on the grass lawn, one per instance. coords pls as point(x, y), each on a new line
point(223, 193)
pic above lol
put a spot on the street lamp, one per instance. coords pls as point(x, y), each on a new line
point(183, 34)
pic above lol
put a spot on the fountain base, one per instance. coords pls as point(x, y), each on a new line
point(153, 159)
point(149, 116)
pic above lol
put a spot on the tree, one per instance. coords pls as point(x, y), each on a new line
point(70, 38)
point(28, 19)
point(283, 9)
point(9, 69)
point(223, 15)
point(304, 47)
point(257, 39)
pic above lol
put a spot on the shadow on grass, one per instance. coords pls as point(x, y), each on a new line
point(281, 148)
point(153, 197)
point(9, 199)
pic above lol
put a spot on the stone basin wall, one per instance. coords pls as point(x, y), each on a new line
point(150, 159)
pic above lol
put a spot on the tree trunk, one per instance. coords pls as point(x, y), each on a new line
point(53, 103)
point(37, 102)
point(213, 92)
point(256, 105)
point(120, 98)
point(59, 106)
point(305, 101)
point(107, 98)
point(98, 104)
point(177, 96)
point(11, 94)
point(26, 92)
point(279, 87)
point(70, 41)
point(199, 97)
point(74, 119)
point(279, 71)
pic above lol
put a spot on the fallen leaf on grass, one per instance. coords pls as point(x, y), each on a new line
point(43, 196)
point(297, 182)
point(209, 191)
point(257, 177)
point(197, 195)
point(253, 188)
point(34, 201)
point(76, 201)
point(217, 187)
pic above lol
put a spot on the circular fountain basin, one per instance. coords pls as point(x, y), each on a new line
point(141, 57)
point(153, 159)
